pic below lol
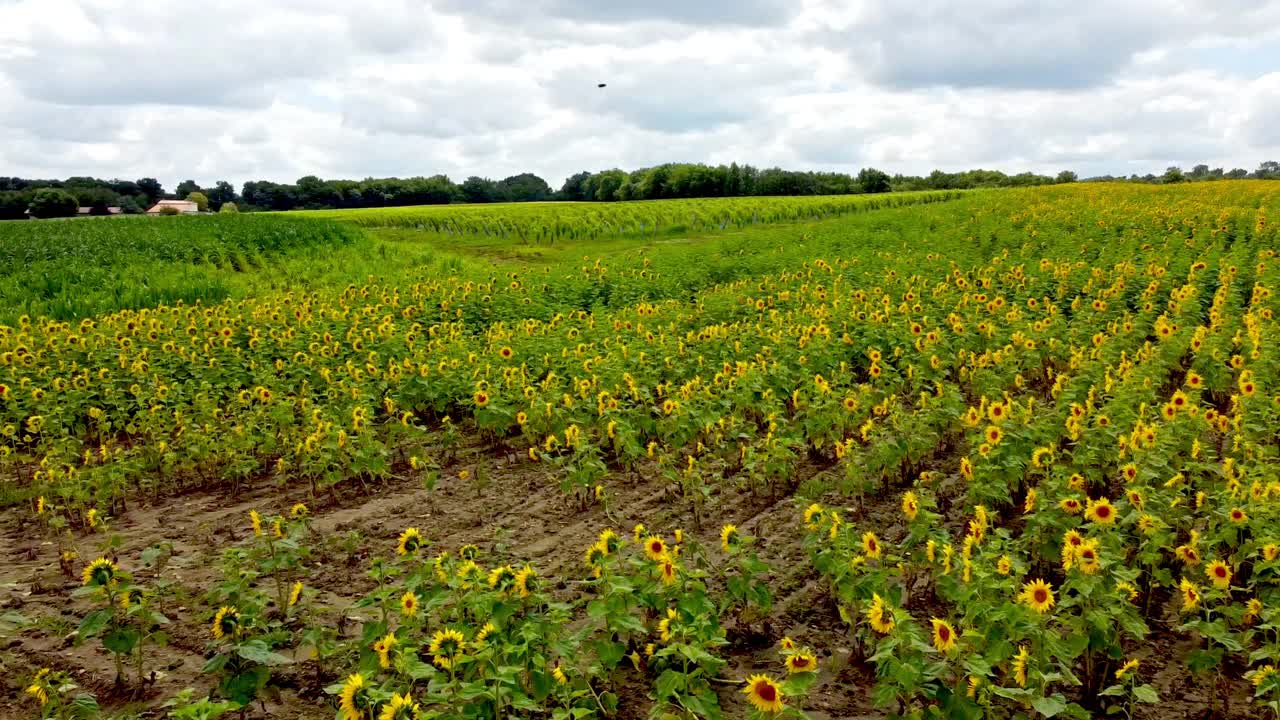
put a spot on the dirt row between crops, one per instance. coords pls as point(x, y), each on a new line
point(516, 513)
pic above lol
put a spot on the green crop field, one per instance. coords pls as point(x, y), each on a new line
point(993, 454)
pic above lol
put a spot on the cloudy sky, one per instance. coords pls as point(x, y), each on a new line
point(277, 89)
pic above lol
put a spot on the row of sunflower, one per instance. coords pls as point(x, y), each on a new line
point(1108, 474)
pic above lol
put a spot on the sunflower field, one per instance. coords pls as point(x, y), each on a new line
point(1003, 454)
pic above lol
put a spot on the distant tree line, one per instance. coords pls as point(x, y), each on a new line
point(1269, 170)
point(59, 198)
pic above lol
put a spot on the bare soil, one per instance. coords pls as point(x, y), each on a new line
point(507, 507)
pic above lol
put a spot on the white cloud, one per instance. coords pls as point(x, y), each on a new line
point(277, 89)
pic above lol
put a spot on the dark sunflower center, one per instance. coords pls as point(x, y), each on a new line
point(944, 633)
point(1041, 596)
point(766, 692)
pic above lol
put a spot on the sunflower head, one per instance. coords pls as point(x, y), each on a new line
point(226, 622)
point(1101, 511)
point(879, 615)
point(409, 542)
point(409, 604)
point(1219, 573)
point(354, 702)
point(802, 662)
point(400, 707)
point(910, 505)
point(610, 541)
point(729, 537)
point(502, 578)
point(655, 547)
point(445, 648)
point(764, 693)
point(1038, 595)
point(668, 571)
point(1190, 594)
point(526, 581)
point(871, 545)
point(100, 572)
point(944, 635)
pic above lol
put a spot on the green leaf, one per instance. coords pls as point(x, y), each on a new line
point(1146, 694)
point(1049, 706)
point(94, 623)
point(258, 652)
point(121, 640)
point(669, 682)
point(610, 653)
point(84, 707)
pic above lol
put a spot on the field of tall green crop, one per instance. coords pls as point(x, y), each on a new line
point(72, 269)
point(561, 221)
point(68, 269)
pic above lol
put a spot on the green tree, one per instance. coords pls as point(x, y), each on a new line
point(13, 205)
point(200, 199)
point(151, 188)
point(186, 187)
point(525, 187)
point(221, 194)
point(873, 180)
point(1066, 176)
point(229, 208)
point(479, 190)
point(574, 187)
point(1173, 175)
point(50, 203)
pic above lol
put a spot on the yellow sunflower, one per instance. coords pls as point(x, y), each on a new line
point(802, 662)
point(409, 542)
point(383, 648)
point(879, 615)
point(1190, 595)
point(993, 435)
point(1220, 573)
point(871, 545)
point(1037, 595)
point(910, 505)
point(667, 571)
point(944, 636)
point(729, 537)
point(502, 578)
point(812, 515)
point(225, 622)
point(99, 572)
point(401, 707)
point(1127, 668)
point(525, 578)
point(1101, 511)
point(655, 547)
point(764, 693)
point(1020, 666)
point(445, 648)
point(354, 701)
point(409, 604)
